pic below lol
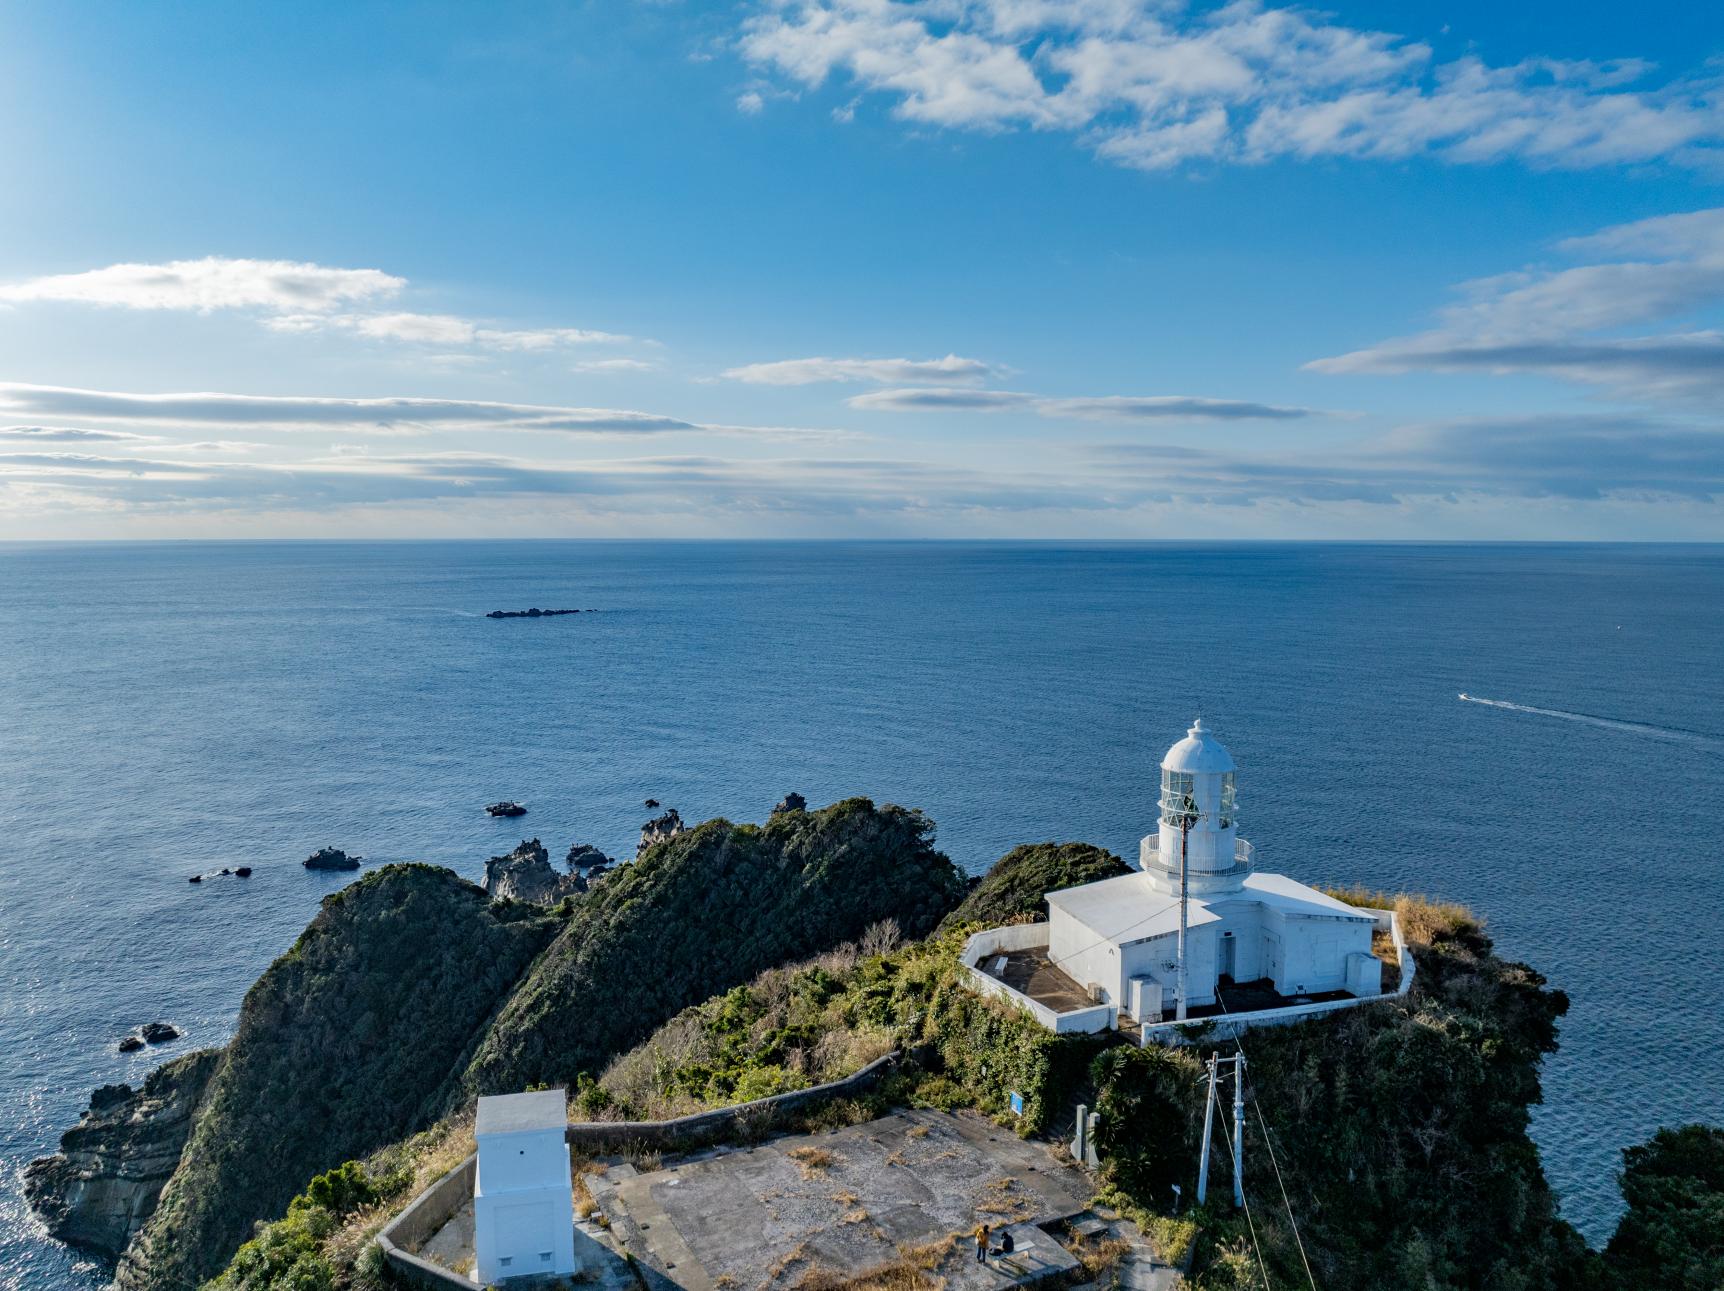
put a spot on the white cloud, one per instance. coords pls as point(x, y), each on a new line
point(1558, 322)
point(443, 329)
point(390, 415)
point(209, 284)
point(70, 435)
point(1130, 408)
point(1560, 459)
point(1152, 85)
point(796, 372)
point(616, 365)
point(749, 103)
point(290, 297)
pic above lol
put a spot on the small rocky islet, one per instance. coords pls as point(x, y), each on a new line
point(149, 1033)
point(332, 858)
point(534, 613)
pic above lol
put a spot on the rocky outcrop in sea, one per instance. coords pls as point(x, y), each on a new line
point(658, 829)
point(104, 1182)
point(331, 858)
point(526, 874)
point(791, 802)
point(587, 861)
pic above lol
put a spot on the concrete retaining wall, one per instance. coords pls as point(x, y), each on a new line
point(709, 1127)
point(431, 1209)
point(413, 1227)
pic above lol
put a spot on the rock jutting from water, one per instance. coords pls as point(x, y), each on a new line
point(587, 861)
point(658, 829)
point(159, 1032)
point(534, 613)
point(331, 858)
point(791, 802)
point(505, 809)
point(526, 874)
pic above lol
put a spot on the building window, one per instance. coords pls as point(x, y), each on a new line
point(506, 1261)
point(1178, 805)
point(544, 1257)
point(1229, 800)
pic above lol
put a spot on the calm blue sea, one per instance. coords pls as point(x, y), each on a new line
point(168, 709)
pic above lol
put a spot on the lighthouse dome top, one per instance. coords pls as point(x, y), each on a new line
point(1199, 752)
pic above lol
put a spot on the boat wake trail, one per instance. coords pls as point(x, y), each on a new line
point(1697, 738)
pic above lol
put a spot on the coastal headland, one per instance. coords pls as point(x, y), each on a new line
point(729, 962)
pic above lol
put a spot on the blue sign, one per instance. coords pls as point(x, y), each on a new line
point(1017, 1103)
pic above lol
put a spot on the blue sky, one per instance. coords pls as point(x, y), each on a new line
point(862, 268)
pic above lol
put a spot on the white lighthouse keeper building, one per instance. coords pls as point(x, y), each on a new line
point(523, 1197)
point(1120, 937)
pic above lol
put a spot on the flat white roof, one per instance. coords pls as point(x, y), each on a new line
point(545, 1109)
point(1126, 909)
point(1295, 897)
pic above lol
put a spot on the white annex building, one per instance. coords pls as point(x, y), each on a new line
point(523, 1197)
point(1112, 951)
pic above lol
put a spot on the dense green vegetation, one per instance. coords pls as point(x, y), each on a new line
point(293, 1254)
point(702, 912)
point(342, 1046)
point(1673, 1234)
point(1017, 885)
point(1400, 1131)
point(410, 992)
point(813, 1022)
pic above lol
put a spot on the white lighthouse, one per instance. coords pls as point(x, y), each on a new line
point(1158, 943)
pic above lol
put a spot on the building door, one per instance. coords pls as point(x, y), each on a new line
point(1229, 956)
point(1272, 958)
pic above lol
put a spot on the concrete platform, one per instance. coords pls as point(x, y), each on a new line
point(912, 1185)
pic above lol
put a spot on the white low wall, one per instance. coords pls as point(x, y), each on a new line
point(1029, 936)
point(1235, 1024)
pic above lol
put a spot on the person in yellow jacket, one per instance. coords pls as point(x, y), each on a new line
point(982, 1243)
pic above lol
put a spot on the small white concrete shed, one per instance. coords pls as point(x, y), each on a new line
point(523, 1198)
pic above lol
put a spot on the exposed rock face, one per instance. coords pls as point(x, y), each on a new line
point(791, 802)
point(658, 829)
point(342, 1047)
point(159, 1032)
point(331, 858)
point(526, 874)
point(584, 857)
point(103, 1183)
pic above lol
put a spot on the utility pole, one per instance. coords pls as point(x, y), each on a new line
point(1208, 1133)
point(1239, 1128)
point(1186, 821)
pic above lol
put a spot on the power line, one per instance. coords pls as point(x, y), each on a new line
point(1269, 1143)
point(1251, 1223)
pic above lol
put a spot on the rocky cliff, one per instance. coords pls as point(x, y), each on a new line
point(104, 1182)
point(701, 911)
point(412, 990)
point(341, 1047)
point(526, 874)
